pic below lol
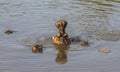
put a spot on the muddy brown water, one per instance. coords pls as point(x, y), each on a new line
point(33, 22)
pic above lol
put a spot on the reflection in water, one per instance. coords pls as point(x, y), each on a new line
point(62, 54)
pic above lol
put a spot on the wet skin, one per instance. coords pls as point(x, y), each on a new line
point(61, 37)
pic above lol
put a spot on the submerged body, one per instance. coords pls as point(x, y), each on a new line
point(61, 40)
point(37, 48)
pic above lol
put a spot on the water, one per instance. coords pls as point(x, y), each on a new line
point(33, 21)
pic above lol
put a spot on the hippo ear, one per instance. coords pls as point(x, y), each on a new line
point(64, 23)
point(57, 24)
point(32, 45)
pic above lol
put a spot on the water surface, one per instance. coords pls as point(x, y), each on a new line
point(33, 21)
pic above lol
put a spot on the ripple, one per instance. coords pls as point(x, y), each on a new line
point(4, 4)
